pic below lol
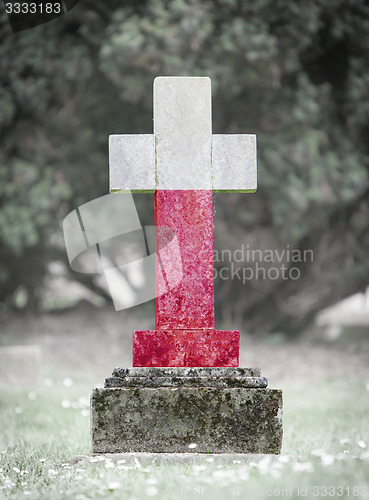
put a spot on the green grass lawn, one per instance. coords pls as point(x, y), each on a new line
point(325, 451)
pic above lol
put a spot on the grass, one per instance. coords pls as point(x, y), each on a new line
point(325, 451)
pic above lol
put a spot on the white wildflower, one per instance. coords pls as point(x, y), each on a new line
point(327, 460)
point(275, 473)
point(264, 464)
point(152, 491)
point(192, 446)
point(114, 485)
point(361, 444)
point(67, 382)
point(224, 473)
point(83, 401)
point(303, 467)
point(199, 467)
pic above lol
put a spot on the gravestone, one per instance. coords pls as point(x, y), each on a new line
point(185, 391)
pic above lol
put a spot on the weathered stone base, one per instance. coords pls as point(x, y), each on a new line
point(126, 416)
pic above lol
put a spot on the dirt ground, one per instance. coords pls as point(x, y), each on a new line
point(88, 342)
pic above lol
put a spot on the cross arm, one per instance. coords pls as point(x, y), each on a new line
point(132, 162)
point(234, 162)
point(182, 154)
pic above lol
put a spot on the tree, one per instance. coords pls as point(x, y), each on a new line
point(296, 75)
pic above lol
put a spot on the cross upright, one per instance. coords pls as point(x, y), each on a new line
point(183, 163)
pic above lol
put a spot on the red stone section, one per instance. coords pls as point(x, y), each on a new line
point(190, 305)
point(186, 348)
point(185, 334)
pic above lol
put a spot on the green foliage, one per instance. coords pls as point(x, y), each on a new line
point(38, 194)
point(294, 73)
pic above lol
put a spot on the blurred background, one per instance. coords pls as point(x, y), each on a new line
point(294, 73)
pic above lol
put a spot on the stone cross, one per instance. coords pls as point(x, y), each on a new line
point(183, 163)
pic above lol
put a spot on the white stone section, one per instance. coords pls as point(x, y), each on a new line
point(182, 129)
point(234, 162)
point(182, 153)
point(132, 162)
